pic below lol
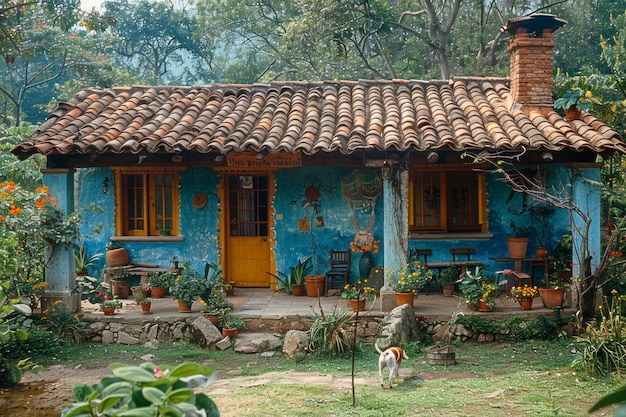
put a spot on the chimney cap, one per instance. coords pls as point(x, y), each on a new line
point(534, 23)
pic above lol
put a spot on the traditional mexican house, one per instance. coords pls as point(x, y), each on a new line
point(256, 177)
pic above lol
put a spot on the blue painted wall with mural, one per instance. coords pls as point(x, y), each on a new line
point(331, 223)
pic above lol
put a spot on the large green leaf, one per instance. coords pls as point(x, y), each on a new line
point(118, 388)
point(139, 412)
point(77, 410)
point(154, 395)
point(21, 335)
point(190, 369)
point(110, 402)
point(134, 374)
point(616, 397)
point(180, 395)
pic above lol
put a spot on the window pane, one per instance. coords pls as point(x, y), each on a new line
point(135, 202)
point(427, 195)
point(463, 200)
point(163, 200)
point(248, 205)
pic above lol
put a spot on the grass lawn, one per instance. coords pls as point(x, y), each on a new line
point(512, 379)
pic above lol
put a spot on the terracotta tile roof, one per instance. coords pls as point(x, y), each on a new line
point(311, 117)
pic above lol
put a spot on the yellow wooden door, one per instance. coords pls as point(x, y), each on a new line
point(247, 218)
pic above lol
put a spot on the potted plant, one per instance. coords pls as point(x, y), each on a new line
point(140, 292)
point(109, 304)
point(519, 243)
point(185, 288)
point(213, 293)
point(230, 325)
point(298, 273)
point(146, 305)
point(553, 295)
point(574, 101)
point(160, 282)
point(82, 261)
point(120, 283)
point(284, 281)
point(479, 290)
point(358, 294)
point(524, 295)
point(116, 255)
point(448, 279)
point(407, 280)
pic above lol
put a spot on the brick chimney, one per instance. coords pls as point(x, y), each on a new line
point(530, 46)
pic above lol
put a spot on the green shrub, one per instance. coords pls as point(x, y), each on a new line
point(603, 344)
point(541, 328)
point(479, 324)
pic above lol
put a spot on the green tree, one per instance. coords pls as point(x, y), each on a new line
point(159, 42)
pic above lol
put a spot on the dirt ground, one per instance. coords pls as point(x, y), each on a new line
point(47, 393)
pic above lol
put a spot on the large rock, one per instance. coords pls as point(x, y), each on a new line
point(256, 342)
point(204, 333)
point(296, 341)
point(398, 328)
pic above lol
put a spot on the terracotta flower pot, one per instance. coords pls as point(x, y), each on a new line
point(121, 288)
point(357, 305)
point(108, 310)
point(482, 306)
point(230, 332)
point(517, 247)
point(315, 285)
point(297, 290)
point(525, 303)
point(551, 298)
point(405, 298)
point(117, 257)
point(447, 290)
point(211, 317)
point(145, 308)
point(183, 308)
point(158, 292)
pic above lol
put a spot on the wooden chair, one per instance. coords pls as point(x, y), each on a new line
point(339, 272)
point(460, 252)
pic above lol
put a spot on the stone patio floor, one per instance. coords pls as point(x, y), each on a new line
point(263, 303)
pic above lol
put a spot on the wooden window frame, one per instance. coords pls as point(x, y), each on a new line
point(149, 203)
point(444, 182)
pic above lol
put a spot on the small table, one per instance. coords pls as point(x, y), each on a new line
point(519, 262)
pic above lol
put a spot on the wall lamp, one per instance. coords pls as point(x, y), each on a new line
point(177, 159)
point(432, 157)
point(105, 185)
point(386, 170)
point(261, 155)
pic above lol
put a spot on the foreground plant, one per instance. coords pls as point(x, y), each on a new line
point(604, 345)
point(146, 390)
point(331, 332)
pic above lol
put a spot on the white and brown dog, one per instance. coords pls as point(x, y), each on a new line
point(390, 358)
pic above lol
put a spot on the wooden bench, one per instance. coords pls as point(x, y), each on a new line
point(416, 254)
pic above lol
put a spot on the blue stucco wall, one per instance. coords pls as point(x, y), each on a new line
point(200, 226)
point(502, 207)
point(338, 230)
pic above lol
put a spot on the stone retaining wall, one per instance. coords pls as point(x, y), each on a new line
point(139, 331)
